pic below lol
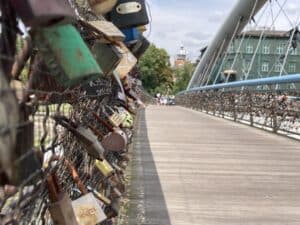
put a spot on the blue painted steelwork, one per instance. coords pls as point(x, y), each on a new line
point(295, 78)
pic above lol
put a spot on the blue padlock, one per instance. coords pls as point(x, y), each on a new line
point(132, 34)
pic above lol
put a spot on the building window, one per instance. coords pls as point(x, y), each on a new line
point(231, 48)
point(265, 67)
point(277, 67)
point(247, 65)
point(280, 49)
point(266, 49)
point(294, 51)
point(292, 67)
point(249, 49)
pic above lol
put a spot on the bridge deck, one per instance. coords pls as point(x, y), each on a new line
point(191, 168)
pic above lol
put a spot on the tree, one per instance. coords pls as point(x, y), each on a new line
point(155, 70)
point(182, 77)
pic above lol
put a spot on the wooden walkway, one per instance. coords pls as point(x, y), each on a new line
point(189, 168)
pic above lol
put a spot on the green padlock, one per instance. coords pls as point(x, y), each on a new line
point(66, 55)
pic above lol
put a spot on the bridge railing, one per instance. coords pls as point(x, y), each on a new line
point(269, 103)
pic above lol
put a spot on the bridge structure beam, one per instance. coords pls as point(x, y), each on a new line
point(234, 24)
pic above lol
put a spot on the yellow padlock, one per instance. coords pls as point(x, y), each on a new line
point(104, 167)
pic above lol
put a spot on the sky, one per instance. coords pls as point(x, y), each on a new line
point(193, 23)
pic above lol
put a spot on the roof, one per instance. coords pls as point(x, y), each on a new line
point(267, 33)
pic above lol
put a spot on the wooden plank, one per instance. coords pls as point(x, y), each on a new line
point(191, 168)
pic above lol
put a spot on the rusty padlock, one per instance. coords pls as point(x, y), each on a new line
point(60, 207)
point(116, 140)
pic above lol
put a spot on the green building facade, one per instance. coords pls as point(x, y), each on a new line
point(269, 56)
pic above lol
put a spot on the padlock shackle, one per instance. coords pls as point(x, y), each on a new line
point(74, 174)
point(65, 122)
point(54, 187)
point(103, 122)
point(22, 58)
point(96, 131)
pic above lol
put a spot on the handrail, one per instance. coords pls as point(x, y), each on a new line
point(294, 78)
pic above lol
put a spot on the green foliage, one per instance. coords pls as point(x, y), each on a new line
point(156, 72)
point(182, 77)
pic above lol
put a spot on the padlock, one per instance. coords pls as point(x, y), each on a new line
point(127, 63)
point(113, 141)
point(105, 31)
point(129, 13)
point(126, 117)
point(37, 13)
point(119, 92)
point(132, 105)
point(60, 207)
point(90, 140)
point(132, 35)
point(113, 116)
point(142, 29)
point(102, 6)
point(140, 47)
point(87, 209)
point(107, 56)
point(132, 94)
point(104, 167)
point(116, 140)
point(66, 55)
point(100, 196)
point(84, 135)
point(113, 210)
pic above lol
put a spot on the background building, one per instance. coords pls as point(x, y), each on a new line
point(268, 59)
point(181, 57)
